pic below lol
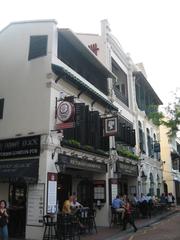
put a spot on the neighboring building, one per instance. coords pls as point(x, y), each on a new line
point(150, 179)
point(170, 154)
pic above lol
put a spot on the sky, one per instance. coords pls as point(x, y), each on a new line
point(147, 29)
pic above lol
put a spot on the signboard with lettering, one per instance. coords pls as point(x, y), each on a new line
point(52, 193)
point(35, 208)
point(78, 163)
point(20, 147)
point(26, 168)
point(126, 168)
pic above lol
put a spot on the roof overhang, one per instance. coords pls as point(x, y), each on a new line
point(141, 76)
point(87, 53)
point(61, 69)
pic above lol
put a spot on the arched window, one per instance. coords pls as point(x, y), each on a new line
point(151, 189)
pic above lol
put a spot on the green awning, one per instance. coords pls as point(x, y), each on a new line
point(62, 69)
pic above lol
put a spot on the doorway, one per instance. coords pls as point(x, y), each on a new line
point(64, 188)
point(85, 193)
point(17, 209)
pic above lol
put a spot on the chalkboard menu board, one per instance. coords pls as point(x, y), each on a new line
point(35, 209)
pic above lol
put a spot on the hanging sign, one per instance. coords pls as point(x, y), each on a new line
point(110, 126)
point(65, 114)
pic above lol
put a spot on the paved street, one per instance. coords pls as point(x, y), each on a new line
point(167, 229)
point(162, 227)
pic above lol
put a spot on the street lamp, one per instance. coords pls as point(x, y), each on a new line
point(60, 166)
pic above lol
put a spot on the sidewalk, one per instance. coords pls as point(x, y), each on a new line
point(113, 233)
point(106, 233)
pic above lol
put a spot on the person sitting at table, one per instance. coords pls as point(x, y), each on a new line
point(75, 203)
point(67, 206)
point(118, 204)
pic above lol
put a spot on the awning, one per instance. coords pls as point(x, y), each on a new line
point(141, 76)
point(15, 170)
point(71, 37)
point(59, 67)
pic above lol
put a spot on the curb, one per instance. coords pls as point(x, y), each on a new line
point(130, 232)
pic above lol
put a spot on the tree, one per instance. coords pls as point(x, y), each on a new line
point(172, 121)
point(170, 118)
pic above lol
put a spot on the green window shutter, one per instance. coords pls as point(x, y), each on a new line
point(1, 107)
point(38, 46)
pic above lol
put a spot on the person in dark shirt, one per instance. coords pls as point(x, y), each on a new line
point(128, 218)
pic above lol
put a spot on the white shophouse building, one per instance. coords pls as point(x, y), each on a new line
point(41, 66)
point(133, 95)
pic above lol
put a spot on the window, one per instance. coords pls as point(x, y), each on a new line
point(141, 138)
point(38, 46)
point(1, 107)
point(149, 143)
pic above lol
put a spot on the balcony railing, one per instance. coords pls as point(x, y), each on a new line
point(121, 97)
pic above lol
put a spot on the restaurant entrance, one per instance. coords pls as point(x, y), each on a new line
point(17, 209)
point(85, 193)
point(64, 188)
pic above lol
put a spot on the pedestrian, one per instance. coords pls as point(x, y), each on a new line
point(3, 220)
point(128, 218)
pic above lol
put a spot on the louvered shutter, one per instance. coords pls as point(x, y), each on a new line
point(80, 132)
point(127, 135)
point(133, 138)
point(97, 138)
point(1, 108)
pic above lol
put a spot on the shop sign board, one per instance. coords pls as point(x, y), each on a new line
point(78, 163)
point(110, 126)
point(35, 208)
point(20, 147)
point(52, 193)
point(16, 169)
point(65, 114)
point(126, 168)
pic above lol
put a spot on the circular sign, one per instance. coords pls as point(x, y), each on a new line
point(65, 111)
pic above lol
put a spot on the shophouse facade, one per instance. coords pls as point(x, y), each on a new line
point(133, 95)
point(46, 75)
point(58, 91)
point(170, 154)
point(150, 179)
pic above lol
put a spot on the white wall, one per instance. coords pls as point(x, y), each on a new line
point(23, 82)
point(89, 39)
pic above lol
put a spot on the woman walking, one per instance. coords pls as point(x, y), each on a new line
point(3, 221)
point(128, 218)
